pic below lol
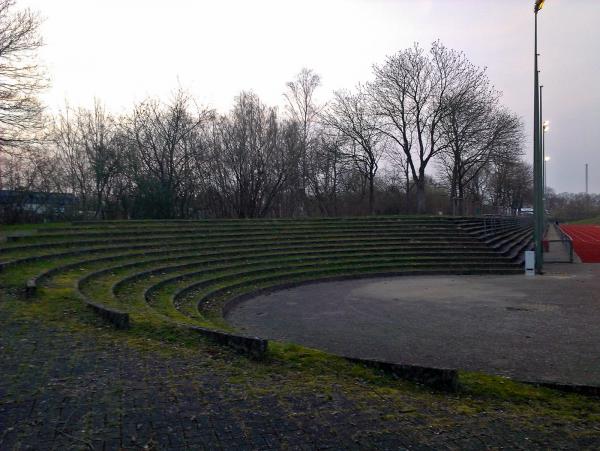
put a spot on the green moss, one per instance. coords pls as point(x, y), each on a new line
point(287, 368)
point(483, 386)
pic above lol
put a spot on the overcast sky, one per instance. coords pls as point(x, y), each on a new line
point(121, 51)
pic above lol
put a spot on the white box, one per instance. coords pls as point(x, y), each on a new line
point(529, 263)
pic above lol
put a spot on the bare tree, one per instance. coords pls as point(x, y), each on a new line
point(476, 130)
point(402, 167)
point(21, 79)
point(508, 184)
point(97, 136)
point(303, 109)
point(325, 168)
point(408, 93)
point(249, 160)
point(165, 139)
point(72, 156)
point(177, 160)
point(85, 143)
point(350, 115)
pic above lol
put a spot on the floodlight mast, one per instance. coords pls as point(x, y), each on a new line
point(538, 158)
point(545, 129)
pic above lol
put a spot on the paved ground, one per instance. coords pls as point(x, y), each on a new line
point(542, 328)
point(69, 383)
point(558, 251)
point(83, 391)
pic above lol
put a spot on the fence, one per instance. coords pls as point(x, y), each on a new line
point(492, 223)
point(557, 246)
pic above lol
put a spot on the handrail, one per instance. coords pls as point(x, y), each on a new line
point(493, 222)
point(564, 236)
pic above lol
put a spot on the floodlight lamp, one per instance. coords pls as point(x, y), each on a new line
point(546, 126)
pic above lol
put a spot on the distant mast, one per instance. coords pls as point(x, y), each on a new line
point(586, 178)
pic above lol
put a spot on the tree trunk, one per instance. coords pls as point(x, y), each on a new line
point(335, 181)
point(453, 193)
point(407, 177)
point(98, 204)
point(421, 199)
point(371, 194)
point(461, 200)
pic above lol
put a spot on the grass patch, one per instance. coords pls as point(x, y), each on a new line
point(31, 227)
point(237, 265)
point(591, 221)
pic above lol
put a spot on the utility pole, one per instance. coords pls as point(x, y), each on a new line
point(538, 184)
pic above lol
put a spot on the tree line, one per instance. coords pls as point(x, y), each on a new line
point(427, 133)
point(573, 206)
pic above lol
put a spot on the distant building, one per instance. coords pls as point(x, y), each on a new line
point(526, 211)
point(15, 203)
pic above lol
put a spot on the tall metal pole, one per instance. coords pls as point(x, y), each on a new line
point(538, 203)
point(543, 138)
point(586, 178)
point(545, 186)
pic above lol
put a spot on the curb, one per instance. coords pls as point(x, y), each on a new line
point(439, 378)
point(117, 318)
point(588, 390)
point(30, 287)
point(253, 346)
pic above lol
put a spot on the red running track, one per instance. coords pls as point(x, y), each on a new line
point(586, 241)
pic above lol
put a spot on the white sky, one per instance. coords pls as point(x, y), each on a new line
point(121, 51)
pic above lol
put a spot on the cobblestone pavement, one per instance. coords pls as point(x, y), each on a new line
point(94, 389)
